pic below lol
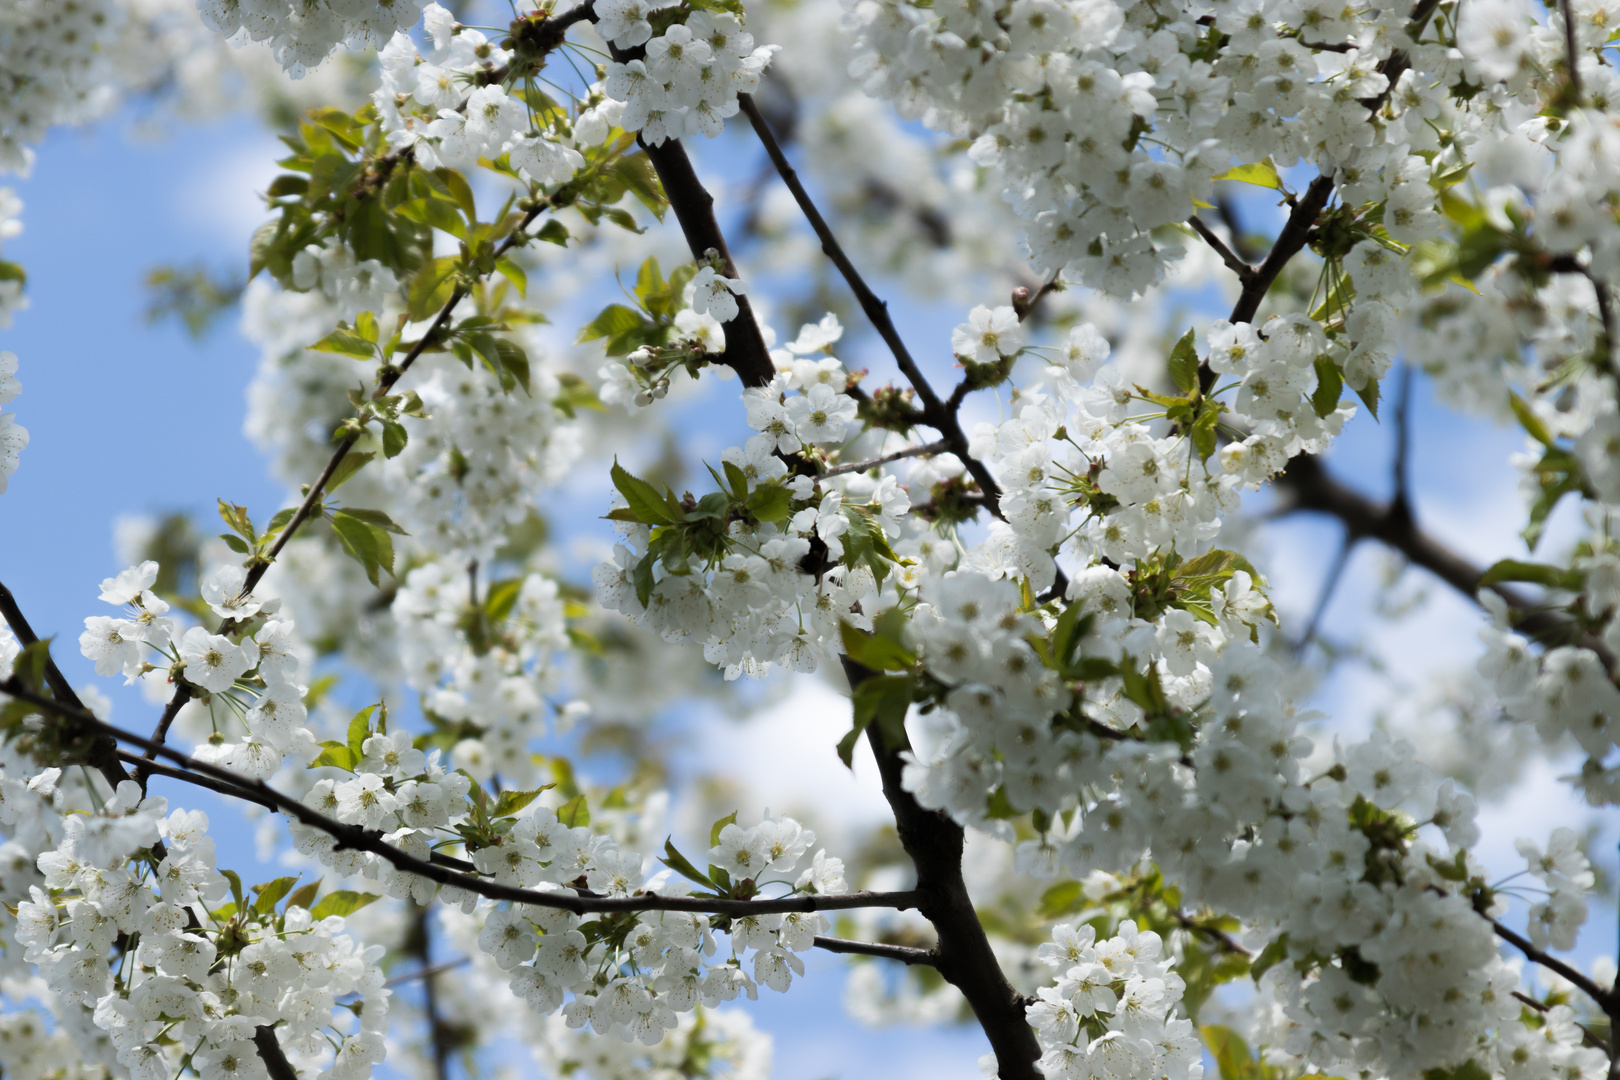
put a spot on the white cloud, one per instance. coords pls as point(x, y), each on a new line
point(223, 200)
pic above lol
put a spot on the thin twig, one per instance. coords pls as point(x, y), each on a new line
point(1329, 585)
point(1025, 306)
point(1242, 269)
point(1597, 1042)
point(427, 972)
point(903, 953)
point(1221, 938)
point(1401, 501)
point(939, 447)
point(935, 412)
point(1605, 999)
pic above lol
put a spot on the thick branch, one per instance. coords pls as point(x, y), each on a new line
point(963, 955)
point(903, 953)
point(355, 838)
point(275, 1062)
point(746, 352)
point(936, 413)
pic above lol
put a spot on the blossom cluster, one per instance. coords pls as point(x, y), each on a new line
point(503, 687)
point(193, 979)
point(13, 436)
point(1113, 1011)
point(688, 79)
point(443, 109)
point(301, 34)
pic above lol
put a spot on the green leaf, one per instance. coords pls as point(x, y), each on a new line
point(434, 213)
point(305, 896)
point(236, 543)
point(1274, 953)
point(553, 232)
point(883, 699)
point(431, 288)
point(352, 462)
point(769, 502)
point(1064, 898)
point(865, 543)
point(368, 546)
point(883, 649)
point(683, 866)
point(1260, 174)
point(511, 801)
point(1230, 1052)
point(1530, 421)
point(394, 437)
point(649, 504)
point(346, 343)
point(360, 731)
point(1552, 577)
point(459, 190)
point(644, 578)
point(1329, 385)
point(271, 892)
point(341, 902)
point(236, 888)
point(636, 173)
point(377, 519)
point(613, 321)
point(574, 813)
point(1184, 363)
point(719, 826)
point(511, 271)
point(1203, 430)
point(1369, 396)
point(335, 754)
point(737, 480)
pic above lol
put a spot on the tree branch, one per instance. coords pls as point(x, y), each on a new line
point(1605, 999)
point(935, 412)
point(939, 447)
point(1242, 269)
point(903, 953)
point(354, 837)
point(275, 1062)
point(1312, 489)
point(963, 955)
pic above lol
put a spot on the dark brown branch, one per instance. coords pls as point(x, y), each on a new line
point(1605, 999)
point(275, 1062)
point(963, 955)
point(355, 838)
point(182, 694)
point(103, 755)
point(746, 353)
point(939, 447)
point(1308, 484)
point(935, 412)
point(1242, 269)
point(903, 953)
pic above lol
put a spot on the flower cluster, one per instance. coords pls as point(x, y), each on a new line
point(13, 436)
point(300, 33)
point(688, 80)
point(441, 108)
point(252, 667)
point(1113, 1011)
point(194, 979)
point(630, 976)
point(497, 685)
